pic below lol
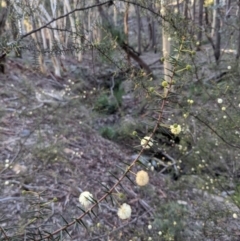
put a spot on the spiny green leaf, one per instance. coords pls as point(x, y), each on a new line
point(81, 223)
point(113, 175)
point(64, 219)
point(129, 179)
point(67, 232)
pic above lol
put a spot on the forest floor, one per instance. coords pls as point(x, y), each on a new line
point(51, 148)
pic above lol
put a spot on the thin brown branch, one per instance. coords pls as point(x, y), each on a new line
point(215, 132)
point(111, 190)
point(123, 44)
point(4, 233)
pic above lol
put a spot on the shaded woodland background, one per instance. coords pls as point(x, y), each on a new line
point(81, 85)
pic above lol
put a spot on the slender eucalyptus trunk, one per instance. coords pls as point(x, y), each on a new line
point(186, 9)
point(153, 34)
point(238, 47)
point(217, 32)
point(126, 28)
point(139, 36)
point(200, 22)
point(193, 10)
point(16, 23)
point(228, 8)
point(166, 47)
point(115, 15)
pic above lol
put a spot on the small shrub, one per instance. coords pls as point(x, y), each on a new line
point(108, 133)
point(106, 105)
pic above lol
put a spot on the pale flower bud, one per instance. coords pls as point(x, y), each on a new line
point(142, 178)
point(146, 142)
point(124, 212)
point(85, 198)
point(175, 129)
point(235, 215)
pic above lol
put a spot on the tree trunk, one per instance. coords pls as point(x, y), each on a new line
point(115, 15)
point(217, 32)
point(200, 22)
point(214, 19)
point(166, 48)
point(186, 9)
point(77, 30)
point(15, 24)
point(38, 54)
point(178, 7)
point(153, 34)
point(238, 47)
point(139, 36)
point(193, 10)
point(228, 6)
point(207, 21)
point(126, 29)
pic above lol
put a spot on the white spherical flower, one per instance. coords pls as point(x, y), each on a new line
point(162, 12)
point(146, 142)
point(229, 67)
point(124, 212)
point(223, 108)
point(149, 226)
point(142, 178)
point(181, 202)
point(220, 101)
point(175, 129)
point(235, 215)
point(85, 198)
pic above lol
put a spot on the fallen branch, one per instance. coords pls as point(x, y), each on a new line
point(129, 51)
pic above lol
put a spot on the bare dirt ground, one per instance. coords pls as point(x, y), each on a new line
point(50, 153)
point(49, 150)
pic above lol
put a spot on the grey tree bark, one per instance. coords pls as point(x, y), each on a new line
point(166, 47)
point(200, 21)
point(139, 35)
point(126, 30)
point(217, 31)
point(238, 46)
point(186, 2)
point(193, 10)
